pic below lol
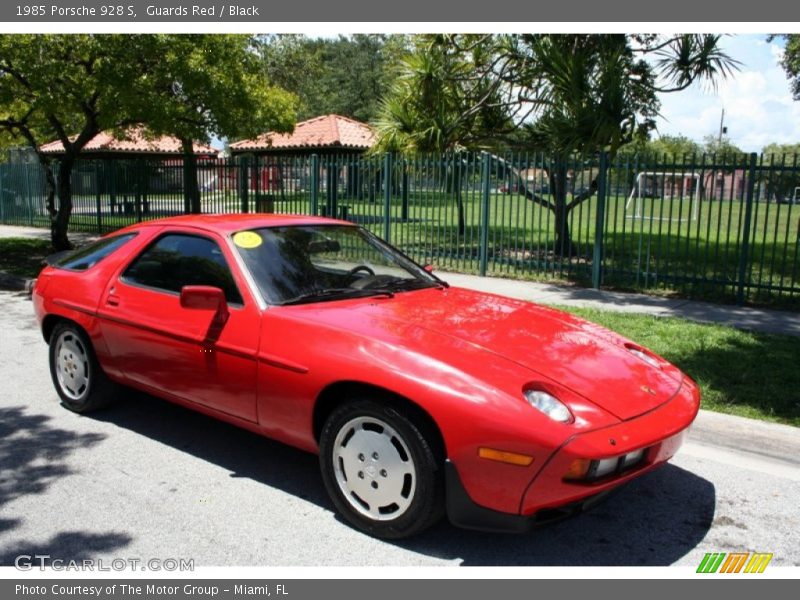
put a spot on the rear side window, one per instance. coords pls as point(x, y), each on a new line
point(90, 255)
point(176, 260)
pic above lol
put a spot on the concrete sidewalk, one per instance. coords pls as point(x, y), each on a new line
point(768, 321)
point(43, 233)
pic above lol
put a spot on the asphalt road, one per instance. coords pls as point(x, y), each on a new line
point(147, 479)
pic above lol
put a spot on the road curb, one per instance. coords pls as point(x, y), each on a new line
point(773, 441)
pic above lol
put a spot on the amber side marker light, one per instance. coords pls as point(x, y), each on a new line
point(511, 458)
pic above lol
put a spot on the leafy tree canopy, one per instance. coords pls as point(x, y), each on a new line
point(713, 144)
point(196, 86)
point(781, 149)
point(347, 75)
point(563, 93)
point(791, 61)
point(71, 87)
point(678, 146)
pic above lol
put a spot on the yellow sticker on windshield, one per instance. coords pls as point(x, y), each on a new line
point(247, 239)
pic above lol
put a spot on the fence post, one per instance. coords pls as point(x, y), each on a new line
point(98, 165)
point(28, 195)
point(2, 199)
point(748, 215)
point(256, 179)
point(244, 184)
point(187, 175)
point(404, 208)
point(138, 178)
point(485, 191)
point(314, 185)
point(599, 223)
point(112, 186)
point(387, 196)
point(331, 185)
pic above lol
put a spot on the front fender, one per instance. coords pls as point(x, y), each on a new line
point(475, 398)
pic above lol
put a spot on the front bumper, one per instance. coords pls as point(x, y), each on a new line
point(550, 497)
point(463, 512)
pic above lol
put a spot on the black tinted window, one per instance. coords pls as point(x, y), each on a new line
point(88, 256)
point(178, 260)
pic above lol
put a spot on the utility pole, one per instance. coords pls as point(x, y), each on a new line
point(722, 128)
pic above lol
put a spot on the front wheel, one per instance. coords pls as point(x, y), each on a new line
point(77, 376)
point(380, 469)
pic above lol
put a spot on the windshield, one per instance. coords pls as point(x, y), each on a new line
point(317, 263)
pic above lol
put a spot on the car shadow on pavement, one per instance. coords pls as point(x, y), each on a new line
point(64, 549)
point(654, 520)
point(34, 455)
point(241, 452)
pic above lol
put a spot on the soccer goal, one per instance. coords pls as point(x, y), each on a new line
point(796, 197)
point(661, 196)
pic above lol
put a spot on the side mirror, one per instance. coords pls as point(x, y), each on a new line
point(205, 297)
point(428, 268)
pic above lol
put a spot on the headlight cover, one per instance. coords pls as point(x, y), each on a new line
point(639, 353)
point(549, 405)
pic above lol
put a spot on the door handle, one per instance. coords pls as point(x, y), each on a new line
point(112, 299)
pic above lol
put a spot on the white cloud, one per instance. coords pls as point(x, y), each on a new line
point(758, 106)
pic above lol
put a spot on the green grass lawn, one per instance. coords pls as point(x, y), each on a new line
point(23, 256)
point(663, 251)
point(743, 373)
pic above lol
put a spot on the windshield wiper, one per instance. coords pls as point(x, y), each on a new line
point(326, 294)
point(397, 285)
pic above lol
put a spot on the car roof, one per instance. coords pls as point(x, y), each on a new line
point(229, 223)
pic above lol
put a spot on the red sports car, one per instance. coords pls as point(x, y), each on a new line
point(419, 398)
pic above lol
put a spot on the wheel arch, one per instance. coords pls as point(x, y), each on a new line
point(50, 321)
point(338, 393)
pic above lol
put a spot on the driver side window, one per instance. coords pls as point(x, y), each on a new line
point(176, 260)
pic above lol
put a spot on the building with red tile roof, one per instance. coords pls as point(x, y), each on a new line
point(325, 134)
point(134, 144)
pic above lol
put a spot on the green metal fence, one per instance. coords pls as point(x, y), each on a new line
point(714, 227)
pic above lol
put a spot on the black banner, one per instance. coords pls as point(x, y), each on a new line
point(364, 11)
point(385, 589)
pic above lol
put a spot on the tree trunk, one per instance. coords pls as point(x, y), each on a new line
point(47, 167)
point(59, 219)
point(453, 186)
point(191, 191)
point(558, 184)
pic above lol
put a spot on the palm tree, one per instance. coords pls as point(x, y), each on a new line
point(430, 109)
point(567, 95)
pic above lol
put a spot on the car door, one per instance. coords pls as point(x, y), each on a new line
point(181, 351)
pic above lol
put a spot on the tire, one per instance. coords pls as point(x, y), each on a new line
point(77, 376)
point(381, 470)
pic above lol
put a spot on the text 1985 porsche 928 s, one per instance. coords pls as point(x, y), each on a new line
point(420, 399)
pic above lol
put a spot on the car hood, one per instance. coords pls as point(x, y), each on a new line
point(556, 346)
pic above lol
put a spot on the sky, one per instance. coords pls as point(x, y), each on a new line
point(759, 108)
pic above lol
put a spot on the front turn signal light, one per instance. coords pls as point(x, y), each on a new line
point(578, 468)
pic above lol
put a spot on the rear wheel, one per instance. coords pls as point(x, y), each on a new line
point(381, 470)
point(80, 382)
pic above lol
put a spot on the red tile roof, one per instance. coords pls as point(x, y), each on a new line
point(135, 143)
point(328, 131)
